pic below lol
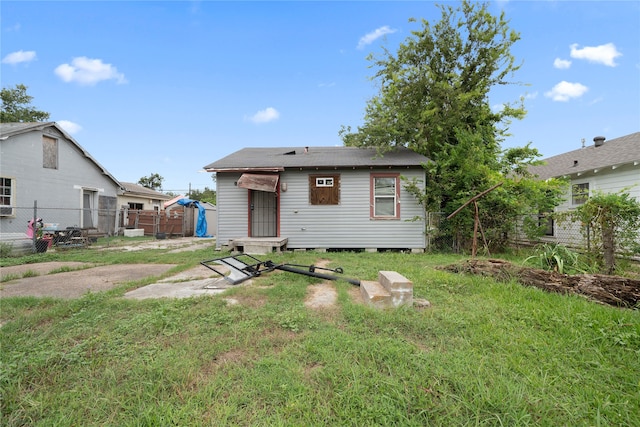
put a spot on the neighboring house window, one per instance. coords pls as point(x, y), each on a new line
point(547, 222)
point(49, 152)
point(324, 189)
point(6, 196)
point(136, 206)
point(579, 193)
point(385, 197)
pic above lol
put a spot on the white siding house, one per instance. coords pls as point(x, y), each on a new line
point(321, 197)
point(605, 166)
point(41, 162)
point(136, 196)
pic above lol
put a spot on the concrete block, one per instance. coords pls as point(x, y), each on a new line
point(257, 249)
point(400, 288)
point(375, 295)
point(134, 232)
point(394, 281)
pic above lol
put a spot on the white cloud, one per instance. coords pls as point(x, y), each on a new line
point(269, 114)
point(70, 127)
point(12, 28)
point(19, 56)
point(561, 63)
point(86, 71)
point(603, 54)
point(374, 35)
point(564, 91)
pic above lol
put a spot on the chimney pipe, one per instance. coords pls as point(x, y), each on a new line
point(599, 140)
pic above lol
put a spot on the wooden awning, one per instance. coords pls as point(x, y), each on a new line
point(252, 181)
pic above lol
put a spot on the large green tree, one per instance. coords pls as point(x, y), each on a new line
point(206, 195)
point(16, 106)
point(153, 181)
point(434, 99)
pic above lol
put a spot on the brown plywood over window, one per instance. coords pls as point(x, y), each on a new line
point(324, 189)
point(252, 181)
point(49, 153)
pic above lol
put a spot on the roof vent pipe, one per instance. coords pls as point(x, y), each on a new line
point(599, 140)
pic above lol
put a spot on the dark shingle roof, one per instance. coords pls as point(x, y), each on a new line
point(615, 152)
point(281, 158)
point(10, 129)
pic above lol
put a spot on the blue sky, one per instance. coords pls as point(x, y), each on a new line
point(168, 87)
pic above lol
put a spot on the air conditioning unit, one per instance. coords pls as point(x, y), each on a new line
point(6, 211)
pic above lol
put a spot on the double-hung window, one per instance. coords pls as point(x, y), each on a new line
point(385, 196)
point(6, 196)
point(579, 193)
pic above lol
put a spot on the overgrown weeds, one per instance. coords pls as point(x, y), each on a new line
point(558, 258)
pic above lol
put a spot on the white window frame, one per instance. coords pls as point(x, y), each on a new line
point(395, 196)
point(8, 210)
point(580, 197)
point(324, 181)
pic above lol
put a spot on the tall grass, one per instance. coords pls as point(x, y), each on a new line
point(485, 353)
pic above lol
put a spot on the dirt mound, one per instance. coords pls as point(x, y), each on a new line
point(612, 290)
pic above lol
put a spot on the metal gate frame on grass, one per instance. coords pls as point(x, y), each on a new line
point(244, 267)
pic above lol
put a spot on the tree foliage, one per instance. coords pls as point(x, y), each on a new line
point(610, 222)
point(206, 195)
point(16, 106)
point(434, 99)
point(153, 181)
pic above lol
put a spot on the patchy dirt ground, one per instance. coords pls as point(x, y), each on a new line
point(52, 279)
point(73, 284)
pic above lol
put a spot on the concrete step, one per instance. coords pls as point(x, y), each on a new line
point(400, 288)
point(375, 295)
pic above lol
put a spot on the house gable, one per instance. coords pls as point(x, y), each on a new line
point(44, 164)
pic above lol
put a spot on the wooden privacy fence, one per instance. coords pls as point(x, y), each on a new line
point(175, 222)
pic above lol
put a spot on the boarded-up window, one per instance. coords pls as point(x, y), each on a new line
point(49, 152)
point(324, 189)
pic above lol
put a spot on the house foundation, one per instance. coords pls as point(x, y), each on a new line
point(258, 245)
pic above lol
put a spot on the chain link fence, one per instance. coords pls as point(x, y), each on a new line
point(442, 238)
point(35, 228)
point(566, 233)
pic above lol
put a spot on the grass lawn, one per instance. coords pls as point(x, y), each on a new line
point(484, 353)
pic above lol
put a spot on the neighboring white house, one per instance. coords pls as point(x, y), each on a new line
point(136, 196)
point(606, 166)
point(40, 162)
point(320, 197)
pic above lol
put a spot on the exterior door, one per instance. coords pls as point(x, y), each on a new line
point(264, 214)
point(87, 209)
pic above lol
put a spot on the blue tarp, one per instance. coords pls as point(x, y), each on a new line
point(201, 226)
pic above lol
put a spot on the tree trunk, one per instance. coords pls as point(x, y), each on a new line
point(608, 248)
